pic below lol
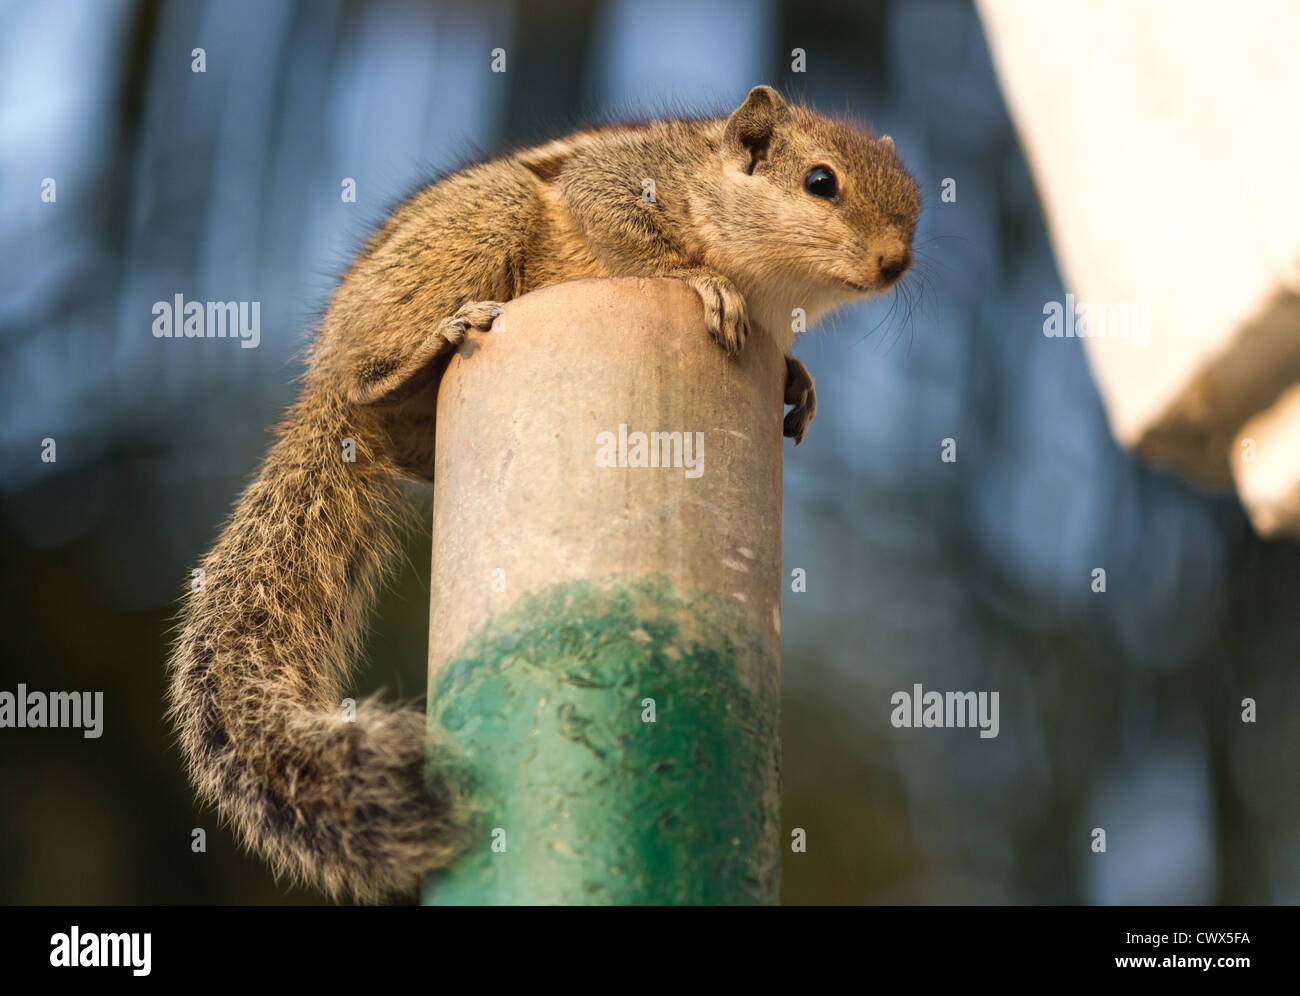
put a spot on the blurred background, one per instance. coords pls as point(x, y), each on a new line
point(1119, 710)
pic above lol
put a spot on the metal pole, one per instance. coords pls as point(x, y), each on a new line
point(605, 637)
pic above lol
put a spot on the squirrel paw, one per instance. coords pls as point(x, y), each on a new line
point(800, 392)
point(390, 381)
point(724, 309)
point(475, 315)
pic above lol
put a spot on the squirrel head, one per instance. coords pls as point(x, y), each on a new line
point(816, 200)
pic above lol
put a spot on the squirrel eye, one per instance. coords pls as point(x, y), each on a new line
point(820, 182)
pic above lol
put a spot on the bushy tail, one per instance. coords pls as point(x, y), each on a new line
point(265, 648)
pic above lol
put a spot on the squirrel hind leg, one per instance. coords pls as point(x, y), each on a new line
point(387, 380)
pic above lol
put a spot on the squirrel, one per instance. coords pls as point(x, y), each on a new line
point(770, 208)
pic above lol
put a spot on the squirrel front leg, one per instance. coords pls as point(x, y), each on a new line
point(639, 239)
point(725, 314)
point(727, 318)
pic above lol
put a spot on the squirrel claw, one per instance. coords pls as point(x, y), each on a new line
point(475, 315)
point(800, 391)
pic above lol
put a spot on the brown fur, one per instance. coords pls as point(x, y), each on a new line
point(266, 648)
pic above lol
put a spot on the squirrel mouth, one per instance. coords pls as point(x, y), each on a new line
point(879, 287)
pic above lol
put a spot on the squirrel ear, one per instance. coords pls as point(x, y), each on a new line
point(752, 124)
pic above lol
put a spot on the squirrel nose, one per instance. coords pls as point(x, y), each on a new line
point(894, 263)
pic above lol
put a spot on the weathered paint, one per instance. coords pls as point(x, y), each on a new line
point(597, 806)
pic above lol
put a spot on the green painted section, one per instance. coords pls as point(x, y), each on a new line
point(545, 705)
